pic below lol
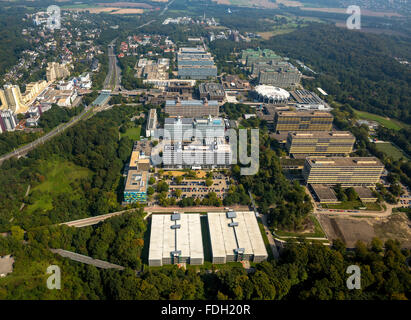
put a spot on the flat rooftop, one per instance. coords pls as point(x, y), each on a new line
point(324, 193)
point(136, 181)
point(187, 238)
point(322, 114)
point(322, 134)
point(225, 239)
point(344, 162)
point(364, 193)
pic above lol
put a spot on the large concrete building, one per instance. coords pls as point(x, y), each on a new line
point(283, 76)
point(187, 128)
point(195, 63)
point(56, 71)
point(151, 123)
point(199, 154)
point(211, 91)
point(8, 121)
point(303, 121)
point(333, 143)
point(135, 189)
point(192, 108)
point(12, 99)
point(356, 171)
point(175, 239)
point(235, 236)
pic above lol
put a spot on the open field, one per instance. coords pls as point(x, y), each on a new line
point(390, 150)
point(312, 229)
point(58, 175)
point(384, 121)
point(247, 3)
point(133, 133)
point(121, 4)
point(352, 229)
point(363, 12)
point(110, 10)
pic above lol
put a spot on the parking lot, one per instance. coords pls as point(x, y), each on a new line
point(199, 189)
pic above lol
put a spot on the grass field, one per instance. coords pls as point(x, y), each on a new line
point(58, 177)
point(386, 122)
point(354, 205)
point(318, 231)
point(390, 150)
point(132, 133)
point(266, 242)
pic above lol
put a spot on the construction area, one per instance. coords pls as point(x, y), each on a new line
point(175, 239)
point(235, 236)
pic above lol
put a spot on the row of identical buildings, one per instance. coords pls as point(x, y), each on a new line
point(310, 137)
point(178, 238)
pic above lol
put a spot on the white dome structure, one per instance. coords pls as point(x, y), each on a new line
point(272, 94)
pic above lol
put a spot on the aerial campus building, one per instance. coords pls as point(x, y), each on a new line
point(235, 236)
point(151, 123)
point(175, 239)
point(8, 121)
point(192, 108)
point(333, 143)
point(136, 186)
point(303, 121)
point(195, 63)
point(211, 91)
point(307, 100)
point(187, 128)
point(282, 74)
point(270, 94)
point(208, 153)
point(356, 171)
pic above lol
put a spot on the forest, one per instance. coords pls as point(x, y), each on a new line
point(357, 68)
point(88, 156)
point(304, 271)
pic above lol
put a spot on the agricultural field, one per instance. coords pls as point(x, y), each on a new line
point(390, 150)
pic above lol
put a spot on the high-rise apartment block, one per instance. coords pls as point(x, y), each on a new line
point(56, 71)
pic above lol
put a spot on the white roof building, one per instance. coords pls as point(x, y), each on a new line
point(235, 236)
point(175, 239)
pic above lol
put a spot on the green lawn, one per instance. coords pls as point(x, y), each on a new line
point(353, 205)
point(318, 231)
point(390, 150)
point(132, 133)
point(265, 238)
point(388, 123)
point(58, 175)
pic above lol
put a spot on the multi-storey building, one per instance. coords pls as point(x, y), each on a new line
point(211, 91)
point(303, 121)
point(357, 171)
point(151, 122)
point(192, 108)
point(8, 121)
point(185, 129)
point(284, 76)
point(334, 143)
point(11, 99)
point(137, 178)
point(197, 155)
point(56, 71)
point(195, 63)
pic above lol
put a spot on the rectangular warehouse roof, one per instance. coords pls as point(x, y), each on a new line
point(244, 234)
point(170, 236)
